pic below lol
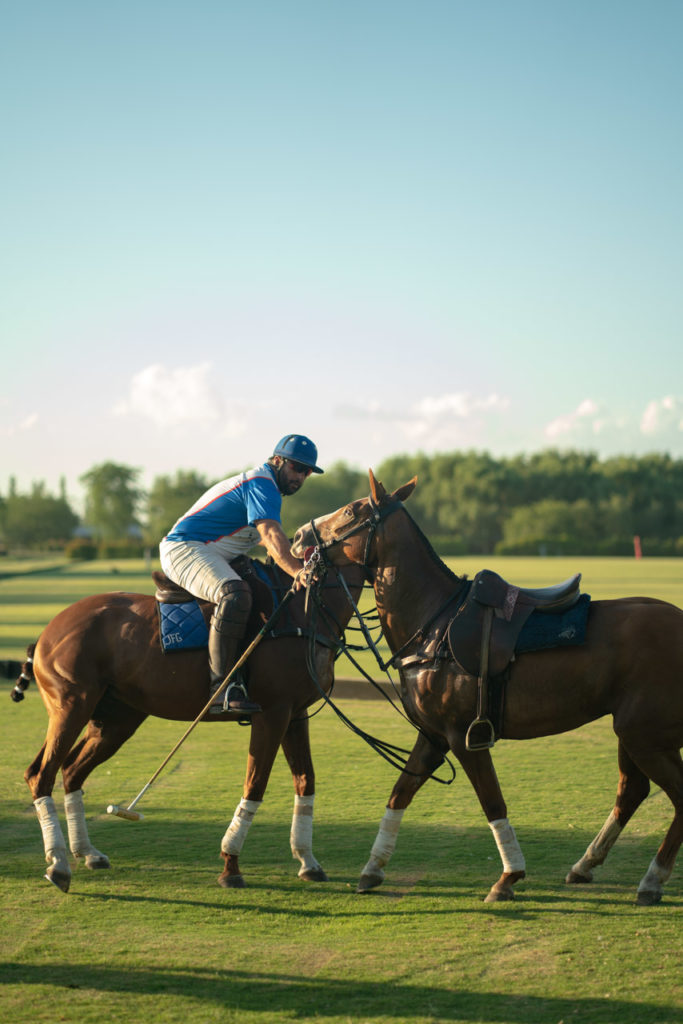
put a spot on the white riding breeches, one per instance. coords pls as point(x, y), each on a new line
point(196, 566)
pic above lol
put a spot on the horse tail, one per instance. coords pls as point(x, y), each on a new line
point(26, 675)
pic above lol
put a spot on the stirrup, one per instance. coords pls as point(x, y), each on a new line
point(236, 699)
point(487, 738)
point(217, 707)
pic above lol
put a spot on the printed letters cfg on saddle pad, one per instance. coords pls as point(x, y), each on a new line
point(182, 627)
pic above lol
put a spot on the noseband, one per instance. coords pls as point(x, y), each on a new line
point(371, 525)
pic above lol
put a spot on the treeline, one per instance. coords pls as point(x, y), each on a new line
point(554, 503)
point(549, 503)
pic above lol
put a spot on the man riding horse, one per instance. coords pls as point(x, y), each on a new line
point(226, 521)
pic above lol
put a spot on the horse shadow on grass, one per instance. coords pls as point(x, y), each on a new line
point(292, 997)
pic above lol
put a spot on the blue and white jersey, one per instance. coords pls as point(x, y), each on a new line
point(224, 516)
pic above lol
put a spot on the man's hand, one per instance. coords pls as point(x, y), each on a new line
point(310, 572)
point(300, 580)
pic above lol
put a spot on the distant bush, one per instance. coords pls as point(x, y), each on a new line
point(80, 550)
point(665, 547)
point(449, 547)
point(121, 549)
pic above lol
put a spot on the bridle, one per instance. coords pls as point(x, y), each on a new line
point(379, 514)
point(371, 524)
point(317, 555)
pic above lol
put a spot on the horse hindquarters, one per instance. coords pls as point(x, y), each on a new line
point(111, 724)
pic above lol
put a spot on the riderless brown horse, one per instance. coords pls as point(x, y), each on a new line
point(100, 666)
point(630, 666)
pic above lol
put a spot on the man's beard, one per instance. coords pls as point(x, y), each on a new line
point(286, 489)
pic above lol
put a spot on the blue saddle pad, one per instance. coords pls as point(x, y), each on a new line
point(182, 627)
point(562, 629)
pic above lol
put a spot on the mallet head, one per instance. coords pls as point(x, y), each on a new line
point(123, 812)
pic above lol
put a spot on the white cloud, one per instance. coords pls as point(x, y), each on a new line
point(23, 426)
point(662, 416)
point(370, 409)
point(435, 421)
point(459, 405)
point(181, 395)
point(459, 420)
point(591, 425)
point(585, 415)
point(28, 422)
point(430, 409)
point(451, 419)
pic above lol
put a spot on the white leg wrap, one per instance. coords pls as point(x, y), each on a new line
point(599, 848)
point(385, 843)
point(654, 878)
point(79, 840)
point(53, 837)
point(239, 826)
point(301, 835)
point(509, 849)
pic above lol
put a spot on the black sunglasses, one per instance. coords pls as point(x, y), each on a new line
point(299, 467)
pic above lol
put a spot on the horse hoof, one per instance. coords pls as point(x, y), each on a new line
point(368, 882)
point(231, 881)
point(60, 879)
point(500, 895)
point(98, 862)
point(648, 898)
point(314, 875)
point(574, 878)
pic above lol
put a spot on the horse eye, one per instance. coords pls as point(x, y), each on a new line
point(349, 512)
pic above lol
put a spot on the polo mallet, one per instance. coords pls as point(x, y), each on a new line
point(128, 812)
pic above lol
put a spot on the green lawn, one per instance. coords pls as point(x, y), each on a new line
point(29, 600)
point(155, 939)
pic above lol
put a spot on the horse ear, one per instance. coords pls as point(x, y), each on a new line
point(377, 491)
point(401, 493)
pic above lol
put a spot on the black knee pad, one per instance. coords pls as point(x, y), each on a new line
point(233, 607)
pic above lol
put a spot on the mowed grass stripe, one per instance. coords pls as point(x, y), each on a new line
point(27, 603)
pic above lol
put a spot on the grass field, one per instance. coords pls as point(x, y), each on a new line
point(29, 597)
point(155, 939)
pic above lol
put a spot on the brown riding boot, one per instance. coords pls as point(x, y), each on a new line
point(228, 624)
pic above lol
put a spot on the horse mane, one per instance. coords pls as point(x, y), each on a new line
point(432, 553)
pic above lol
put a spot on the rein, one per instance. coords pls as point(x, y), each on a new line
point(391, 753)
point(372, 525)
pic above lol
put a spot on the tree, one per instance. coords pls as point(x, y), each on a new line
point(321, 494)
point(168, 499)
point(112, 500)
point(37, 519)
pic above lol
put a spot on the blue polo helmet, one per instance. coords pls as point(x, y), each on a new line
point(299, 449)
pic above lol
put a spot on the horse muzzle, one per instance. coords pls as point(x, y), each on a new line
point(303, 543)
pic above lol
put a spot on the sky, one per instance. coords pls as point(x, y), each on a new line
point(394, 227)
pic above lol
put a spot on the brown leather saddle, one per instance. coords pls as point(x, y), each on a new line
point(168, 592)
point(268, 587)
point(483, 635)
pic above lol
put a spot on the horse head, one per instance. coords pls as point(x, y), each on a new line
point(345, 537)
